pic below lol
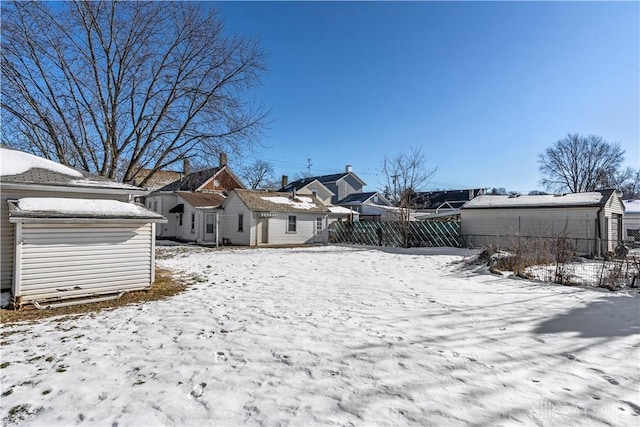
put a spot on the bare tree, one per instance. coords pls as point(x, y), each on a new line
point(258, 174)
point(106, 85)
point(405, 174)
point(579, 163)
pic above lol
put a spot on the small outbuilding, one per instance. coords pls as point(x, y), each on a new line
point(631, 222)
point(69, 235)
point(592, 220)
point(254, 218)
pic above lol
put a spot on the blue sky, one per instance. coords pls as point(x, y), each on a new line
point(481, 87)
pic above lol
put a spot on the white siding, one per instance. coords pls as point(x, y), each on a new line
point(305, 228)
point(163, 203)
point(7, 246)
point(482, 226)
point(229, 222)
point(613, 211)
point(72, 260)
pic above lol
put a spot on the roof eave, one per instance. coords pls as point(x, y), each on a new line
point(73, 188)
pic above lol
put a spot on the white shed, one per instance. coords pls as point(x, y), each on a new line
point(631, 221)
point(70, 235)
point(254, 218)
point(592, 220)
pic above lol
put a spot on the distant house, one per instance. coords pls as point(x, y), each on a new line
point(254, 218)
point(371, 206)
point(189, 217)
point(158, 180)
point(340, 185)
point(631, 221)
point(438, 202)
point(67, 234)
point(591, 221)
point(196, 216)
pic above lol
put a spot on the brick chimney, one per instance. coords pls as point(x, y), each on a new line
point(223, 160)
point(285, 180)
point(186, 166)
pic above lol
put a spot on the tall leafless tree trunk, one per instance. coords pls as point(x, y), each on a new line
point(107, 85)
point(405, 173)
point(577, 163)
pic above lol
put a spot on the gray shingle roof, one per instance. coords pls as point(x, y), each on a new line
point(269, 201)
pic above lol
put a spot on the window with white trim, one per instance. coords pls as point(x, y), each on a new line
point(240, 223)
point(193, 222)
point(292, 224)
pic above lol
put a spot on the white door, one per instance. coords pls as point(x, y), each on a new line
point(262, 229)
point(319, 231)
point(209, 227)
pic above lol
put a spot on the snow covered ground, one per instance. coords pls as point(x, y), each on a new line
point(333, 335)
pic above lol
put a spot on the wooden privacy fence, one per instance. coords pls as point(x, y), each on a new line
point(390, 233)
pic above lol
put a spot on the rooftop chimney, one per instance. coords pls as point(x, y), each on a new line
point(186, 166)
point(223, 160)
point(285, 180)
point(348, 169)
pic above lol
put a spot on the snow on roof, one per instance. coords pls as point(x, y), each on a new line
point(86, 182)
point(58, 207)
point(341, 210)
point(594, 198)
point(298, 202)
point(631, 206)
point(13, 162)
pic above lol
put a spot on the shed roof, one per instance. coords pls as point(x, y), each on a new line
point(67, 208)
point(18, 167)
point(202, 200)
point(573, 200)
point(280, 202)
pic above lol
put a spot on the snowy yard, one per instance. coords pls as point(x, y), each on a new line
point(333, 335)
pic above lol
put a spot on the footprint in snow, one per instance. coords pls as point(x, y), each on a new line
point(220, 357)
point(611, 380)
point(198, 390)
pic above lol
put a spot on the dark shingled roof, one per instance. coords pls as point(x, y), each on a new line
point(434, 199)
point(324, 179)
point(357, 197)
point(191, 182)
point(255, 201)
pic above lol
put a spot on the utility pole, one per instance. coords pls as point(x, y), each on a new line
point(309, 164)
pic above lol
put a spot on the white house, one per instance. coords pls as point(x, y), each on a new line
point(192, 203)
point(593, 220)
point(631, 221)
point(66, 234)
point(330, 189)
point(254, 218)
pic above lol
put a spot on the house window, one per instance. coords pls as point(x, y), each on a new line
point(319, 225)
point(210, 223)
point(240, 222)
point(292, 224)
point(179, 219)
point(314, 193)
point(193, 222)
point(155, 205)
